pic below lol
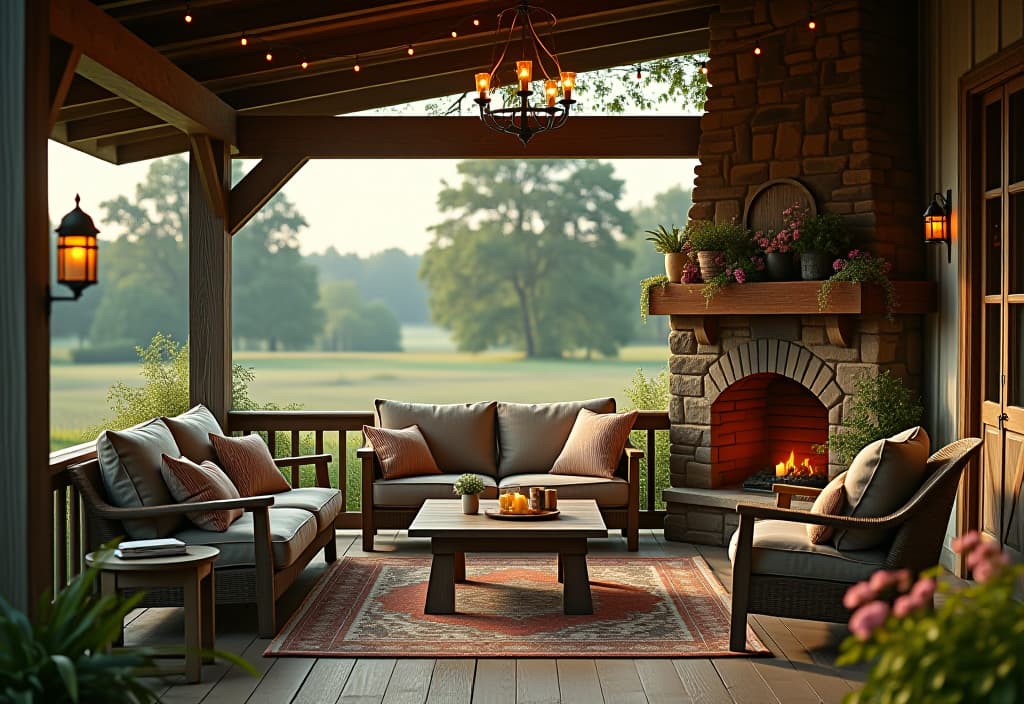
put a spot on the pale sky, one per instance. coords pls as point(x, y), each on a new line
point(361, 206)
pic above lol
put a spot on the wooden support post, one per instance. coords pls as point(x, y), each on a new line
point(209, 264)
point(26, 502)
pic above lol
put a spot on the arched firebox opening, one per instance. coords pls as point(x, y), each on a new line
point(766, 427)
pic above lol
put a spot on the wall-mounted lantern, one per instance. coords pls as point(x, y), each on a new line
point(937, 221)
point(76, 253)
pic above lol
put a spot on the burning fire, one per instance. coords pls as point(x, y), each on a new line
point(790, 467)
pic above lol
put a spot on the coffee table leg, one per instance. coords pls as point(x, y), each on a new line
point(108, 585)
point(193, 620)
point(576, 598)
point(209, 625)
point(441, 588)
point(561, 569)
point(460, 567)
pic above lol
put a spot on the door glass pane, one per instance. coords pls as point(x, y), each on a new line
point(1015, 382)
point(993, 246)
point(993, 146)
point(1015, 241)
point(1016, 137)
point(993, 341)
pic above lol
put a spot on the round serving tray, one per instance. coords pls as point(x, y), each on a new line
point(542, 516)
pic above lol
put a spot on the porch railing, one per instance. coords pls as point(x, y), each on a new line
point(290, 433)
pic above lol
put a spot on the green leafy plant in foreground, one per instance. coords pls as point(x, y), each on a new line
point(62, 657)
point(967, 650)
point(468, 484)
point(882, 407)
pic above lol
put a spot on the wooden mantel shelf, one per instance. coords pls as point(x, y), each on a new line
point(848, 302)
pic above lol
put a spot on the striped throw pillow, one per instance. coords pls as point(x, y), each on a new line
point(249, 465)
point(189, 482)
point(595, 444)
point(829, 502)
point(402, 453)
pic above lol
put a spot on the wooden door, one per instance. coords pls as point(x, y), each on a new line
point(1002, 360)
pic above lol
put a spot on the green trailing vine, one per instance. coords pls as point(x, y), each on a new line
point(862, 268)
point(645, 293)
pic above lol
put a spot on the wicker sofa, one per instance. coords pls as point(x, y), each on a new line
point(507, 444)
point(261, 553)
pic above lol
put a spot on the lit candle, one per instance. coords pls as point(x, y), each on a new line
point(551, 91)
point(524, 69)
point(483, 84)
point(568, 83)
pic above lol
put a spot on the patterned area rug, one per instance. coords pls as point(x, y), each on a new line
point(643, 607)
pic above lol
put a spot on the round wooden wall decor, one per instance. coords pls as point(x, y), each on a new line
point(764, 208)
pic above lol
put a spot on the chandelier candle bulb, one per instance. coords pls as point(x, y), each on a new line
point(483, 84)
point(568, 83)
point(551, 91)
point(524, 70)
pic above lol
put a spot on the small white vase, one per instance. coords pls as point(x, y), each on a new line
point(470, 504)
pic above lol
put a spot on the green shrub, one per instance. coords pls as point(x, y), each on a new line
point(651, 394)
point(112, 353)
point(882, 407)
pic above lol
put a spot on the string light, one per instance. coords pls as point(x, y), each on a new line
point(476, 22)
point(304, 64)
point(188, 13)
point(455, 34)
point(410, 51)
point(244, 41)
point(811, 24)
point(356, 67)
point(269, 56)
point(757, 49)
point(704, 68)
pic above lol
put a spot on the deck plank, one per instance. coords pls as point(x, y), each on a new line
point(282, 681)
point(620, 682)
point(410, 681)
point(537, 682)
point(452, 682)
point(181, 692)
point(702, 682)
point(368, 681)
point(325, 681)
point(578, 680)
point(495, 681)
point(744, 683)
point(237, 685)
point(661, 683)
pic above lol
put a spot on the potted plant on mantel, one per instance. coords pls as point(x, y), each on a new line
point(715, 244)
point(469, 486)
point(778, 252)
point(674, 245)
point(818, 239)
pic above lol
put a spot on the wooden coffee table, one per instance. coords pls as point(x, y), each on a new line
point(452, 534)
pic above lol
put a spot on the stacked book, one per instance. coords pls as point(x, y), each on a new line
point(160, 547)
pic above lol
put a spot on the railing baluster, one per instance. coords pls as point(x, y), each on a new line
point(76, 532)
point(343, 467)
point(272, 442)
point(652, 469)
point(61, 535)
point(296, 451)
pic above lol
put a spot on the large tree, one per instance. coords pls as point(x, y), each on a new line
point(528, 256)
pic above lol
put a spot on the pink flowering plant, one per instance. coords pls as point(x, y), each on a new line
point(968, 649)
point(771, 241)
point(860, 267)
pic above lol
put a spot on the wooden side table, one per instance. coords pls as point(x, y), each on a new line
point(193, 572)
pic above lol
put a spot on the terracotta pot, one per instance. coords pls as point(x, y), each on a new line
point(815, 266)
point(675, 263)
point(779, 266)
point(470, 504)
point(711, 264)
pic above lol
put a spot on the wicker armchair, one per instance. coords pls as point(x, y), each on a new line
point(261, 583)
point(919, 527)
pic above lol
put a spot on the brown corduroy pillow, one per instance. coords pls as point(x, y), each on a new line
point(189, 482)
point(402, 453)
point(249, 465)
point(595, 444)
point(829, 502)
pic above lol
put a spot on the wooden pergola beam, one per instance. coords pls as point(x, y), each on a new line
point(386, 137)
point(118, 61)
point(63, 61)
point(260, 185)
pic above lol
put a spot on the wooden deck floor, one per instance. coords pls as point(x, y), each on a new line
point(801, 671)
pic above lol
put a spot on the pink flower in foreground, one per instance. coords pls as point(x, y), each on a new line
point(966, 542)
point(884, 579)
point(739, 275)
point(858, 595)
point(983, 552)
point(903, 606)
point(838, 264)
point(867, 618)
point(987, 569)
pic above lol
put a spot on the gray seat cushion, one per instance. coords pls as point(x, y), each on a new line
point(782, 548)
point(130, 466)
point(325, 504)
point(411, 492)
point(531, 435)
point(460, 436)
point(608, 493)
point(191, 431)
point(291, 531)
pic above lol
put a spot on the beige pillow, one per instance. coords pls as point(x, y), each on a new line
point(532, 435)
point(130, 466)
point(249, 465)
point(191, 431)
point(460, 435)
point(829, 502)
point(595, 444)
point(881, 478)
point(402, 453)
point(190, 482)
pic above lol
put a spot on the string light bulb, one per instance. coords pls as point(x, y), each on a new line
point(811, 24)
point(356, 67)
point(188, 13)
point(455, 35)
point(757, 49)
point(304, 64)
point(244, 41)
point(410, 51)
point(269, 56)
point(703, 68)
point(476, 22)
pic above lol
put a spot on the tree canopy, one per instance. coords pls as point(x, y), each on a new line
point(526, 255)
point(351, 324)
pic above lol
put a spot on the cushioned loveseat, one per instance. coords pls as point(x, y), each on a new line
point(506, 444)
point(127, 492)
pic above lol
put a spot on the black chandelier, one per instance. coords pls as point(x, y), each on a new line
point(525, 120)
